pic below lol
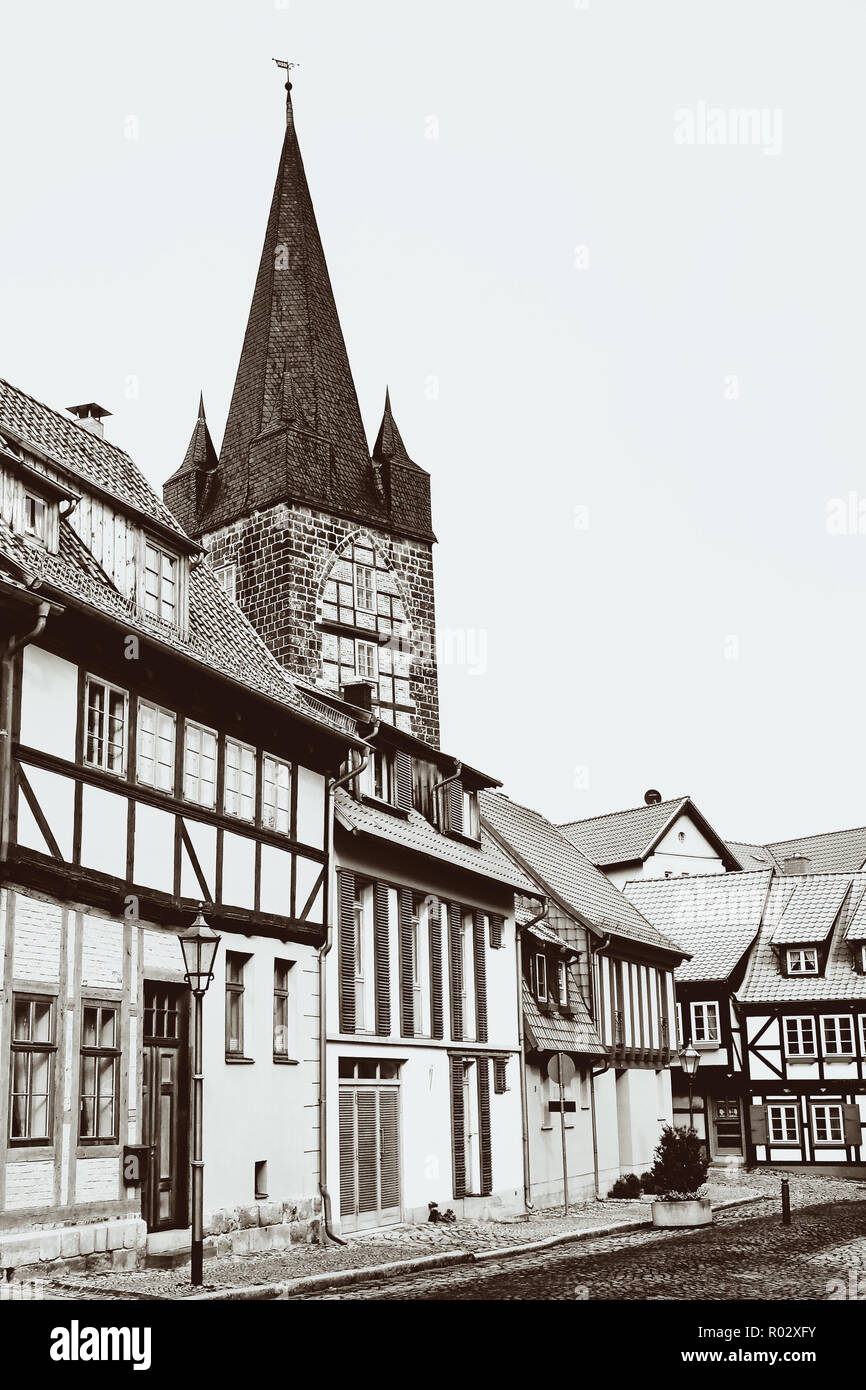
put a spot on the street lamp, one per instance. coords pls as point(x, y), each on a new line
point(690, 1060)
point(199, 945)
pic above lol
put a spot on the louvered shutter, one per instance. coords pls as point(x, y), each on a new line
point(437, 1011)
point(348, 1205)
point(389, 1152)
point(455, 962)
point(368, 1151)
point(458, 1128)
point(480, 977)
point(407, 975)
point(853, 1125)
point(500, 1075)
point(347, 952)
point(485, 1151)
point(497, 927)
point(403, 780)
point(758, 1123)
point(381, 951)
point(455, 806)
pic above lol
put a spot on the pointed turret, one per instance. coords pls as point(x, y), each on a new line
point(405, 486)
point(185, 492)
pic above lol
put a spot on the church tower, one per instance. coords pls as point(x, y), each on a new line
point(326, 547)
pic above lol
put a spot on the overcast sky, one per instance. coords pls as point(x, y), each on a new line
point(631, 357)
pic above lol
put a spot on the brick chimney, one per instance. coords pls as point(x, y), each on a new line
point(796, 864)
point(90, 417)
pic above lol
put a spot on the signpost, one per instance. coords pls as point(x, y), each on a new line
point(562, 1070)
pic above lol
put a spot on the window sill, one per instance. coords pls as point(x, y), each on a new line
point(286, 1061)
point(388, 806)
point(712, 1045)
point(801, 1057)
point(461, 838)
point(235, 1061)
point(838, 1056)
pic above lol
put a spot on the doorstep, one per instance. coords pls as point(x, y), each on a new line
point(168, 1249)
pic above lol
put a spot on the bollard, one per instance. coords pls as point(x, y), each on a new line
point(786, 1203)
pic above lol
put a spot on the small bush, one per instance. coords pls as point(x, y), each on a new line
point(647, 1182)
point(680, 1167)
point(628, 1186)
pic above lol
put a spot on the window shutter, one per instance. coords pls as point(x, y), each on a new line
point(347, 951)
point(455, 806)
point(485, 1152)
point(758, 1123)
point(458, 1128)
point(407, 983)
point(347, 1152)
point(381, 951)
point(437, 1010)
point(368, 1151)
point(403, 780)
point(455, 961)
point(497, 927)
point(500, 1075)
point(480, 977)
point(852, 1125)
point(389, 1150)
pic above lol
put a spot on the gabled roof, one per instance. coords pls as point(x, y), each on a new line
point(412, 832)
point(811, 909)
point(715, 917)
point(555, 1032)
point(764, 983)
point(630, 836)
point(753, 856)
point(565, 874)
point(836, 851)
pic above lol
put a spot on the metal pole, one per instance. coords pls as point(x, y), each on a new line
point(786, 1203)
point(691, 1110)
point(196, 1249)
point(562, 1132)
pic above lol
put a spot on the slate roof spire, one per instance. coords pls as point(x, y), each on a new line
point(187, 489)
point(389, 442)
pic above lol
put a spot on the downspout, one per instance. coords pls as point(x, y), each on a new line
point(10, 649)
point(595, 950)
point(524, 1102)
point(333, 785)
point(438, 787)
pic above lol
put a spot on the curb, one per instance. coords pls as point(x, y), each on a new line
point(288, 1288)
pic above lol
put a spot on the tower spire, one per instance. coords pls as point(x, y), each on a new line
point(287, 68)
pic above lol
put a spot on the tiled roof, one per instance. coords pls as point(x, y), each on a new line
point(753, 856)
point(416, 833)
point(715, 917)
point(621, 836)
point(91, 458)
point(542, 932)
point(810, 910)
point(567, 873)
point(836, 851)
point(556, 1033)
point(764, 983)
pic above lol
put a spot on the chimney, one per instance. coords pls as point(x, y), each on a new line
point(652, 797)
point(90, 417)
point(796, 864)
point(359, 694)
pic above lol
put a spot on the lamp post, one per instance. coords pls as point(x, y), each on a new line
point(199, 945)
point(690, 1060)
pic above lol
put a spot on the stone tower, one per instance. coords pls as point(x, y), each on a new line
point(326, 547)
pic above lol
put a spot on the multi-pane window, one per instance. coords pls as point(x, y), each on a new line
point(281, 1008)
point(100, 1062)
point(838, 1035)
point(365, 1021)
point(365, 660)
point(800, 1037)
point(365, 588)
point(276, 794)
point(235, 966)
point(783, 1124)
point(35, 517)
point(541, 978)
point(226, 576)
point(803, 960)
point(863, 1034)
point(154, 753)
point(33, 1046)
point(199, 765)
point(827, 1125)
point(562, 983)
point(160, 582)
point(105, 726)
point(705, 1023)
point(239, 796)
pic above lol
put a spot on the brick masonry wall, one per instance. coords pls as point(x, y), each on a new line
point(282, 556)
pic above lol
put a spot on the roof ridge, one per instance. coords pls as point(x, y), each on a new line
point(67, 420)
point(816, 835)
point(724, 875)
point(647, 806)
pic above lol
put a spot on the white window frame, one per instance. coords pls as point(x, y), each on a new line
point(275, 816)
point(227, 578)
point(188, 753)
point(801, 952)
point(801, 1023)
point(102, 761)
point(863, 1034)
point(361, 645)
point(156, 604)
point(826, 1107)
point(39, 530)
point(471, 818)
point(836, 1049)
point(368, 588)
point(421, 968)
point(783, 1108)
point(467, 972)
point(710, 1039)
point(562, 983)
point(157, 763)
point(539, 968)
point(365, 969)
point(678, 1009)
point(239, 801)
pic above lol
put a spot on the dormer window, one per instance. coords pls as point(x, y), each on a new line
point(470, 815)
point(378, 777)
point(226, 577)
point(562, 983)
point(541, 977)
point(35, 517)
point(160, 582)
point(802, 960)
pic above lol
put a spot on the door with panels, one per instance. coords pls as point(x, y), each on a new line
point(369, 1143)
point(165, 1104)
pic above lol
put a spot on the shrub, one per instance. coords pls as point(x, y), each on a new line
point(628, 1186)
point(680, 1167)
point(647, 1182)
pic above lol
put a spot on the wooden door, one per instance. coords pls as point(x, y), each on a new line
point(165, 1105)
point(369, 1156)
point(727, 1132)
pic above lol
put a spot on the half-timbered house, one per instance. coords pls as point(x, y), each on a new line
point(155, 756)
point(660, 839)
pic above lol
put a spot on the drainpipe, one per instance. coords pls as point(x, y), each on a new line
point(594, 951)
point(438, 787)
point(524, 1103)
point(333, 785)
point(7, 656)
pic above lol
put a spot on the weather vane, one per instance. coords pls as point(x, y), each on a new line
point(287, 67)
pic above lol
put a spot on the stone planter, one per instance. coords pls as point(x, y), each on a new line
point(698, 1212)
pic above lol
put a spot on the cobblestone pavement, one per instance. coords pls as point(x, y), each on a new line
point(743, 1255)
point(394, 1243)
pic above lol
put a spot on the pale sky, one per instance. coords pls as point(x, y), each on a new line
point(632, 365)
